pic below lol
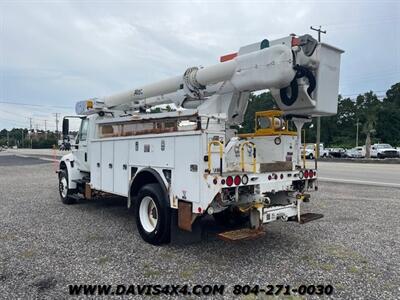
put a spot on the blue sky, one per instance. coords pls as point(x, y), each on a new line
point(54, 53)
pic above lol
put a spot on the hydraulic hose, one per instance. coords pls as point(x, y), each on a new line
point(294, 87)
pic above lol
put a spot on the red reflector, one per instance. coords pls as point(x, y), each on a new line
point(295, 41)
point(311, 174)
point(306, 174)
point(199, 209)
point(227, 57)
point(237, 180)
point(229, 181)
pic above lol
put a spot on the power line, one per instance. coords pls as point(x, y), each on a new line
point(35, 105)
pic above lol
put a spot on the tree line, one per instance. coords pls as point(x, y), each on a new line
point(378, 119)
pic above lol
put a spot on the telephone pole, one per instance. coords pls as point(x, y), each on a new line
point(45, 129)
point(319, 30)
point(57, 120)
point(30, 131)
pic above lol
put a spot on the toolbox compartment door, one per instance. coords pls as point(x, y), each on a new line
point(107, 166)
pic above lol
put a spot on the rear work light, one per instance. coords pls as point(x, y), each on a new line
point(245, 179)
point(237, 180)
point(229, 180)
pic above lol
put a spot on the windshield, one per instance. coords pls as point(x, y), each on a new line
point(83, 131)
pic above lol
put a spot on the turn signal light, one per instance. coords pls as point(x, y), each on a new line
point(229, 180)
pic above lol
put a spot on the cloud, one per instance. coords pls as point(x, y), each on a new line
point(58, 52)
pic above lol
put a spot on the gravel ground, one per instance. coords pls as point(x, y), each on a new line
point(45, 245)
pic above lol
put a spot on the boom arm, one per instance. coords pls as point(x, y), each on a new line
point(288, 67)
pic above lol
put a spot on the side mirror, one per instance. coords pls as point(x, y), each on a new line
point(65, 127)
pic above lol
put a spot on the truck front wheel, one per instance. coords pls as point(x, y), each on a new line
point(153, 217)
point(63, 188)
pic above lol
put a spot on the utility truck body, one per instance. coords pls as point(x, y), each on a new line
point(191, 159)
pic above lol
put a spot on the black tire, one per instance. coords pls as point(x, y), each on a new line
point(231, 217)
point(380, 156)
point(311, 156)
point(65, 195)
point(161, 234)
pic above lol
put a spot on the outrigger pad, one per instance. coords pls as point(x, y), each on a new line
point(241, 234)
point(308, 217)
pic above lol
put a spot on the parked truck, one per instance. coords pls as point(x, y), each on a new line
point(191, 162)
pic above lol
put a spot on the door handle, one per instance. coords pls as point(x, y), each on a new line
point(124, 166)
point(98, 165)
point(110, 165)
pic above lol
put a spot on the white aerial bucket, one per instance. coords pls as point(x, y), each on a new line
point(323, 100)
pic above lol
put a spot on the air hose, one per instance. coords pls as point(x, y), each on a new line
point(294, 87)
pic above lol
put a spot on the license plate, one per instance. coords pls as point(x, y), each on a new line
point(269, 216)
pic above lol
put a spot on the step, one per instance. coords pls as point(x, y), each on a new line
point(241, 234)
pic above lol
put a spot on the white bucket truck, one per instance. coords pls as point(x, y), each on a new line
point(191, 160)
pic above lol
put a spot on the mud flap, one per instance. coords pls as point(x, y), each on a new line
point(184, 237)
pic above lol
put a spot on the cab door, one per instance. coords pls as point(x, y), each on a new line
point(81, 146)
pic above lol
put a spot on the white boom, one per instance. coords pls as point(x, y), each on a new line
point(302, 74)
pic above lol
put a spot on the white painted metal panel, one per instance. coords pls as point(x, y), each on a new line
point(188, 169)
point(95, 164)
point(107, 161)
point(152, 152)
point(121, 180)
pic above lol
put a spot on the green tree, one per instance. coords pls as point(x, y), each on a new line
point(260, 102)
point(388, 119)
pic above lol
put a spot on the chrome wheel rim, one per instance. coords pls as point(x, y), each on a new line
point(63, 187)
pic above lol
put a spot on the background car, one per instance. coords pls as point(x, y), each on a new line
point(337, 152)
point(383, 151)
point(356, 152)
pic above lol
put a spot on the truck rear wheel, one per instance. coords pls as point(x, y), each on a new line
point(63, 188)
point(153, 217)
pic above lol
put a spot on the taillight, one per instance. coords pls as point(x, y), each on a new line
point(229, 180)
point(269, 177)
point(311, 174)
point(237, 180)
point(306, 174)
